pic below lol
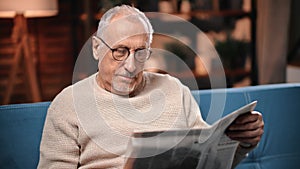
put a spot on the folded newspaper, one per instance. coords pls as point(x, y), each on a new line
point(207, 148)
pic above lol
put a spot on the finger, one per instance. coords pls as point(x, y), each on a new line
point(248, 117)
point(248, 126)
point(245, 133)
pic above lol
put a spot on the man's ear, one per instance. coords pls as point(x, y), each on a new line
point(95, 47)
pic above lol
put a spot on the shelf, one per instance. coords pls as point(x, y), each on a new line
point(205, 13)
point(199, 13)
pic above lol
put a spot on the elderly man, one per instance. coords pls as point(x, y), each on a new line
point(89, 124)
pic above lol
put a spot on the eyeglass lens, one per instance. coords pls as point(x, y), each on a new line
point(122, 53)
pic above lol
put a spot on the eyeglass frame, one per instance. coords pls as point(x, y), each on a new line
point(128, 51)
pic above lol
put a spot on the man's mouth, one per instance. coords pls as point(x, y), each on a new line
point(127, 78)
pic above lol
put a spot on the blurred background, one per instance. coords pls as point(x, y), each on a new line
point(258, 42)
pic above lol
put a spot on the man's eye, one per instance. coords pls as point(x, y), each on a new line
point(121, 51)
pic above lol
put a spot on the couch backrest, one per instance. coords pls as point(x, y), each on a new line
point(21, 126)
point(280, 106)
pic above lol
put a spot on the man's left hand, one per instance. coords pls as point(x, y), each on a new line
point(247, 128)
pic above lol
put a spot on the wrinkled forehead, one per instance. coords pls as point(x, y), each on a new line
point(123, 27)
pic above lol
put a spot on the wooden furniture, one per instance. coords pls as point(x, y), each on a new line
point(22, 52)
point(23, 56)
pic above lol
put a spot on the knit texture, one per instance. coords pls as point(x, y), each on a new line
point(89, 127)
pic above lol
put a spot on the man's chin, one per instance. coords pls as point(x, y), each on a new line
point(123, 91)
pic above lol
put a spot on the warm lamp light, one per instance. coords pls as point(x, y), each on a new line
point(28, 8)
point(20, 10)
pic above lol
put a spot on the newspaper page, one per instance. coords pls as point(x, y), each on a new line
point(207, 148)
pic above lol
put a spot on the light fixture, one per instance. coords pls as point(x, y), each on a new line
point(20, 10)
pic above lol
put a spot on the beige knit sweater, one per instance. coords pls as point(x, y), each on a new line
point(88, 127)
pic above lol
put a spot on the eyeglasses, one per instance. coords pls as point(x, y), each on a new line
point(122, 53)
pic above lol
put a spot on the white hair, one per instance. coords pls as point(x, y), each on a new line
point(124, 10)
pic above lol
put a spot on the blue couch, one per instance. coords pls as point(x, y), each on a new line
point(21, 126)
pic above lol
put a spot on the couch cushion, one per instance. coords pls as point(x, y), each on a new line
point(21, 128)
point(21, 125)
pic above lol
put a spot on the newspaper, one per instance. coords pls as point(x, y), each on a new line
point(207, 148)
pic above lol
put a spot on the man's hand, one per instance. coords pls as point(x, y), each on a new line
point(247, 128)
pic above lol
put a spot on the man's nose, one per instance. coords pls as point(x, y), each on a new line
point(130, 63)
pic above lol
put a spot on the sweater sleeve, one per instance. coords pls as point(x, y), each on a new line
point(192, 111)
point(59, 147)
